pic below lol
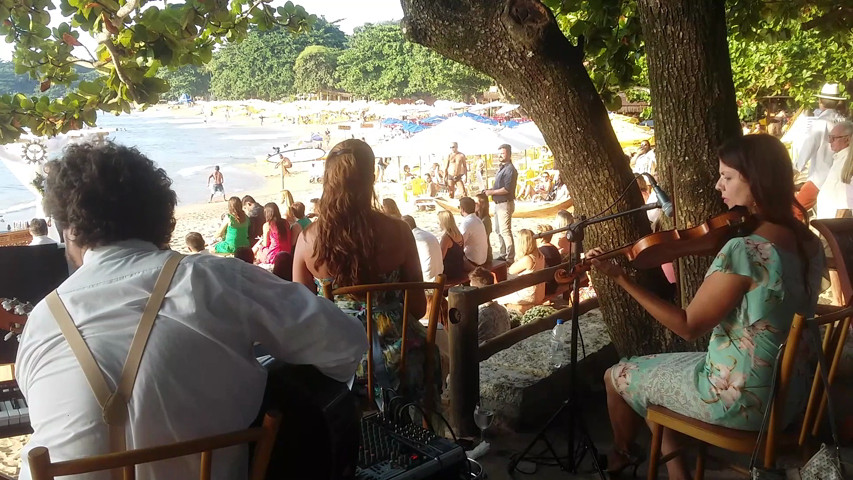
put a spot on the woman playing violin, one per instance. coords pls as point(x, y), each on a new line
point(747, 302)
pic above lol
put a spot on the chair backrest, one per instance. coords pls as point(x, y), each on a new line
point(367, 292)
point(838, 233)
point(786, 371)
point(42, 468)
point(837, 326)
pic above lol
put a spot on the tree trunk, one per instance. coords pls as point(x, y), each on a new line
point(518, 43)
point(693, 98)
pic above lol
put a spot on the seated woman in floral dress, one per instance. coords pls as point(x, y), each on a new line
point(354, 243)
point(747, 303)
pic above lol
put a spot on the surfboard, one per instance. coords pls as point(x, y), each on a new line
point(298, 155)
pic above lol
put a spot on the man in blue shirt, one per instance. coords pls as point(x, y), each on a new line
point(503, 194)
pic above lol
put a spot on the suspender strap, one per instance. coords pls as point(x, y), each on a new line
point(114, 404)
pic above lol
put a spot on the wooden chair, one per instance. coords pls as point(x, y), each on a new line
point(367, 292)
point(838, 233)
point(264, 437)
point(740, 441)
point(837, 325)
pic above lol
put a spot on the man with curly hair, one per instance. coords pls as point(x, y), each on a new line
point(196, 375)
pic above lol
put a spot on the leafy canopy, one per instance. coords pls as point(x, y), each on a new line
point(314, 69)
point(380, 63)
point(135, 39)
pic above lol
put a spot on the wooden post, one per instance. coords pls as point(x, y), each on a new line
point(464, 360)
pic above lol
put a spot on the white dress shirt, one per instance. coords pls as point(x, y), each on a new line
point(815, 149)
point(198, 375)
point(429, 252)
point(476, 241)
point(646, 163)
point(833, 194)
point(42, 240)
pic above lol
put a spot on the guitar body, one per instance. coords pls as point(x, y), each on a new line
point(320, 427)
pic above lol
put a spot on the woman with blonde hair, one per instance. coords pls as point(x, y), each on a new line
point(530, 260)
point(354, 243)
point(389, 207)
point(452, 246)
point(234, 230)
point(562, 220)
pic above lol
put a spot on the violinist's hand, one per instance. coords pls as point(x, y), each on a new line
point(606, 267)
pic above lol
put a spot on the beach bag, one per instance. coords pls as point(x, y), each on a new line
point(823, 465)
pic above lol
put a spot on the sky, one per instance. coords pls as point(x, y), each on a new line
point(351, 13)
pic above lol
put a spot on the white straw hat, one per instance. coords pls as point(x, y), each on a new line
point(830, 91)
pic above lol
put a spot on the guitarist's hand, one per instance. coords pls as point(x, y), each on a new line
point(609, 268)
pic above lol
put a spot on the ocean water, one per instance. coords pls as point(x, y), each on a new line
point(186, 147)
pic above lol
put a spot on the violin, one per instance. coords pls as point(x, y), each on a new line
point(659, 248)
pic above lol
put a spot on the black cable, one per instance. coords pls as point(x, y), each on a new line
point(621, 196)
point(426, 417)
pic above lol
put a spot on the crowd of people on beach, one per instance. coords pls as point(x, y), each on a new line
point(212, 313)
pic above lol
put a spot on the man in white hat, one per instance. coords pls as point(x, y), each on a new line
point(815, 152)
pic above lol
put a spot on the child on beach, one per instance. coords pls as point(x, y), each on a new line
point(195, 243)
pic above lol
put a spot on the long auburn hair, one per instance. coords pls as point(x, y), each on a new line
point(482, 210)
point(765, 164)
point(273, 216)
point(346, 238)
point(235, 208)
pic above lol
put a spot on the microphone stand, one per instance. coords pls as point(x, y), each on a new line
point(572, 403)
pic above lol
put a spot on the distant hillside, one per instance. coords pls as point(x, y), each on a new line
point(10, 82)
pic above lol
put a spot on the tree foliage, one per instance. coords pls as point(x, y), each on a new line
point(314, 69)
point(193, 80)
point(380, 63)
point(262, 65)
point(135, 39)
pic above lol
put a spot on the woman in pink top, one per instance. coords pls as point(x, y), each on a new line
point(275, 238)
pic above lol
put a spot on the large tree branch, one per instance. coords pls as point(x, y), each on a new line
point(106, 39)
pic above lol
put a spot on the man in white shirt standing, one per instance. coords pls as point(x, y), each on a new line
point(429, 250)
point(38, 230)
point(198, 375)
point(834, 192)
point(474, 233)
point(815, 152)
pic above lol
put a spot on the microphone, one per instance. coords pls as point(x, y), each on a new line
point(663, 199)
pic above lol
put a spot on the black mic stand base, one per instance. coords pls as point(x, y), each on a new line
point(579, 443)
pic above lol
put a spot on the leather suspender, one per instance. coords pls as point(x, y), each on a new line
point(114, 404)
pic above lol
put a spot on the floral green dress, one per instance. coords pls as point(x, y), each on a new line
point(729, 385)
point(387, 313)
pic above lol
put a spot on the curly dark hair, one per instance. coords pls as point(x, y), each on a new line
point(108, 193)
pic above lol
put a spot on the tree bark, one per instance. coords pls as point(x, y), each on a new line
point(518, 43)
point(693, 98)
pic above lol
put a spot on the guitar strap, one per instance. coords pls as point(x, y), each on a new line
point(114, 404)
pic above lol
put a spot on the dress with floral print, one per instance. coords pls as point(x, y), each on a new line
point(729, 384)
point(387, 311)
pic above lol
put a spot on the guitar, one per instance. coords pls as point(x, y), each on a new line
point(13, 316)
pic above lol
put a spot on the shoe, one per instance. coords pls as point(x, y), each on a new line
point(634, 458)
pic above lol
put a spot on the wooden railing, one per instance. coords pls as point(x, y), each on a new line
point(465, 351)
point(18, 237)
